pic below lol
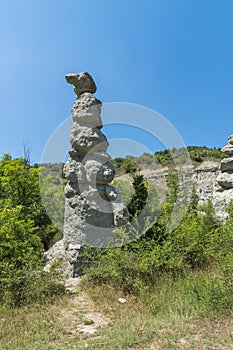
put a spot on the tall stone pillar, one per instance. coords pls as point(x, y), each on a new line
point(223, 190)
point(93, 209)
point(225, 179)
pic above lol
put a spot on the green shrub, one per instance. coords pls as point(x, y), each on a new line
point(21, 277)
point(195, 244)
point(19, 186)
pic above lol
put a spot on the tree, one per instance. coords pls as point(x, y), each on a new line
point(20, 254)
point(139, 198)
point(19, 186)
point(25, 230)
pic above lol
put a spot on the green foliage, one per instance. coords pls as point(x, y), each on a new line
point(164, 157)
point(193, 241)
point(195, 294)
point(52, 192)
point(225, 254)
point(24, 225)
point(199, 154)
point(167, 157)
point(127, 164)
point(199, 243)
point(19, 246)
point(145, 158)
point(20, 251)
point(125, 188)
point(22, 279)
point(140, 195)
point(19, 185)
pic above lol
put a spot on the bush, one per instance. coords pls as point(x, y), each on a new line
point(198, 243)
point(23, 287)
point(21, 277)
point(19, 186)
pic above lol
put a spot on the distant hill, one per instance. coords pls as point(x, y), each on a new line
point(149, 161)
point(164, 158)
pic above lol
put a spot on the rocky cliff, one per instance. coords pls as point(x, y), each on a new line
point(213, 180)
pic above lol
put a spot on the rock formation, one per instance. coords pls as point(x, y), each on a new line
point(93, 209)
point(212, 181)
point(223, 193)
point(215, 182)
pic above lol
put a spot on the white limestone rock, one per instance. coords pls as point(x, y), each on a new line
point(92, 207)
point(84, 139)
point(86, 111)
point(101, 157)
point(204, 179)
point(56, 255)
point(121, 215)
point(108, 193)
point(72, 189)
point(111, 193)
point(74, 171)
point(208, 166)
point(225, 180)
point(221, 199)
point(228, 150)
point(230, 139)
point(74, 221)
point(227, 164)
point(98, 173)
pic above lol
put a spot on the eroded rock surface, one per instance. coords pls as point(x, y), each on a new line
point(93, 209)
point(215, 183)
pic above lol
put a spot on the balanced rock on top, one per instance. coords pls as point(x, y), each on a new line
point(83, 82)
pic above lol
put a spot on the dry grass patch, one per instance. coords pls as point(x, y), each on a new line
point(134, 327)
point(62, 325)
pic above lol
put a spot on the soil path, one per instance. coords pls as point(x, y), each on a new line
point(79, 316)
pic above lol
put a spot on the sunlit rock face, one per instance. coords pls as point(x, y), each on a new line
point(225, 178)
point(93, 208)
point(215, 182)
point(223, 193)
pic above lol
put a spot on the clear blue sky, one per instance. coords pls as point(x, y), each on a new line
point(174, 56)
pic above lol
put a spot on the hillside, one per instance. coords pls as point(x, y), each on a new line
point(146, 161)
point(165, 159)
point(164, 289)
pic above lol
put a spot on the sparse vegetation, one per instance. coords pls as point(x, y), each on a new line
point(183, 276)
point(197, 155)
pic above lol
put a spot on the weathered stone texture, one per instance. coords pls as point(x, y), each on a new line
point(230, 139)
point(225, 180)
point(216, 183)
point(228, 150)
point(83, 82)
point(227, 164)
point(93, 208)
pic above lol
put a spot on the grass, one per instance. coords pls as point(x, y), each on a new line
point(170, 317)
point(36, 327)
point(192, 312)
point(27, 328)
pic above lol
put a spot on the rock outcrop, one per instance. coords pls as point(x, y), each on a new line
point(215, 182)
point(223, 193)
point(93, 208)
point(212, 180)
